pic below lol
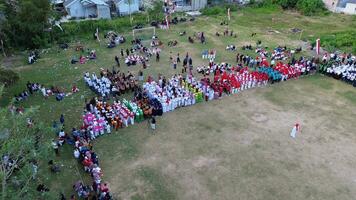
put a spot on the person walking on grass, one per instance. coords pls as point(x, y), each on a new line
point(117, 61)
point(61, 119)
point(157, 57)
point(55, 147)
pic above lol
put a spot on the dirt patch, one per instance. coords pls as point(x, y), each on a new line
point(252, 153)
point(203, 162)
point(259, 117)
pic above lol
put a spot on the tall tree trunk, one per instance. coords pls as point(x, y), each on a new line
point(2, 47)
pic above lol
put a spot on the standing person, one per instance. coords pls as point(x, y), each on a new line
point(117, 61)
point(29, 87)
point(157, 57)
point(61, 119)
point(140, 75)
point(34, 169)
point(144, 65)
point(190, 61)
point(185, 62)
point(295, 130)
point(127, 52)
point(153, 123)
point(122, 53)
point(178, 59)
point(55, 147)
point(174, 64)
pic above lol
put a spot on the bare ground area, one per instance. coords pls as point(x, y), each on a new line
point(239, 147)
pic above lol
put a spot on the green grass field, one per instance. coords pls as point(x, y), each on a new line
point(234, 148)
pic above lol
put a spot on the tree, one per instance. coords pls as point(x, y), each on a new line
point(20, 152)
point(155, 9)
point(27, 20)
point(2, 25)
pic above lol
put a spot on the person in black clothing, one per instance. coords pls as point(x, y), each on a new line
point(42, 188)
point(127, 52)
point(157, 57)
point(29, 87)
point(190, 61)
point(164, 81)
point(122, 53)
point(178, 58)
point(117, 61)
point(185, 62)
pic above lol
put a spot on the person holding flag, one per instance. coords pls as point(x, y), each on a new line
point(295, 130)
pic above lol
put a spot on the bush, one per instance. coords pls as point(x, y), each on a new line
point(216, 10)
point(345, 40)
point(8, 77)
point(73, 28)
point(310, 7)
point(306, 7)
point(287, 4)
point(219, 9)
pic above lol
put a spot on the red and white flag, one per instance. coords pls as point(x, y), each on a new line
point(318, 46)
point(228, 14)
point(167, 21)
point(97, 34)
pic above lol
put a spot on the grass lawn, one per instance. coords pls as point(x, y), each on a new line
point(235, 148)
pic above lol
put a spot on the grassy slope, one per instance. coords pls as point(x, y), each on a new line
point(54, 69)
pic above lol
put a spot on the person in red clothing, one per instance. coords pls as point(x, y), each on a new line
point(87, 163)
point(104, 187)
point(75, 89)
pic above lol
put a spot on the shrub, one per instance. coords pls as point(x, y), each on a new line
point(287, 4)
point(345, 40)
point(216, 10)
point(8, 77)
point(310, 7)
point(307, 7)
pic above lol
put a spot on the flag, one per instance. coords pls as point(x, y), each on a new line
point(228, 14)
point(167, 21)
point(318, 46)
point(57, 23)
point(97, 34)
point(295, 130)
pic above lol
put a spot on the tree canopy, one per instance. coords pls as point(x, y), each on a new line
point(25, 22)
point(21, 150)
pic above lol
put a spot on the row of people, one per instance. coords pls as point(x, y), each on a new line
point(101, 86)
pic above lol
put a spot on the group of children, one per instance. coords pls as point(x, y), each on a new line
point(340, 66)
point(169, 93)
point(101, 86)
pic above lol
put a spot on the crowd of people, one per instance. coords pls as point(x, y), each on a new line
point(33, 88)
point(83, 59)
point(93, 126)
point(156, 97)
point(101, 86)
point(340, 66)
point(112, 83)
